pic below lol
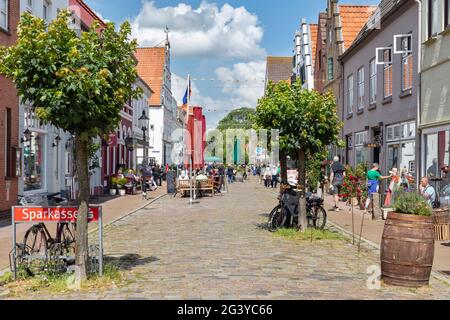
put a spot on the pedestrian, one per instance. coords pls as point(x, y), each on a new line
point(373, 183)
point(230, 172)
point(258, 173)
point(157, 172)
point(394, 186)
point(428, 192)
point(337, 180)
point(267, 177)
point(274, 182)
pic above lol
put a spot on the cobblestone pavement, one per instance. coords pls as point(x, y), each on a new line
point(218, 250)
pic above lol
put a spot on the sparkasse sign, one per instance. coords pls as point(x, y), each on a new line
point(52, 214)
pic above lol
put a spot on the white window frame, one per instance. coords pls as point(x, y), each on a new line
point(361, 88)
point(6, 13)
point(350, 94)
point(388, 66)
point(406, 55)
point(372, 81)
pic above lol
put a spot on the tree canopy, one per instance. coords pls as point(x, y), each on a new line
point(78, 84)
point(237, 119)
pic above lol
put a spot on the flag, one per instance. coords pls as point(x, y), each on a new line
point(185, 98)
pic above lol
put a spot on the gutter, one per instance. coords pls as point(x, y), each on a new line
point(419, 89)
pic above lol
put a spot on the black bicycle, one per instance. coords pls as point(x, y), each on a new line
point(285, 215)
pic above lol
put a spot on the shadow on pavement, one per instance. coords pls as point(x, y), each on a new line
point(130, 261)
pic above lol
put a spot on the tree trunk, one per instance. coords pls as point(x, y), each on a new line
point(283, 164)
point(302, 221)
point(81, 251)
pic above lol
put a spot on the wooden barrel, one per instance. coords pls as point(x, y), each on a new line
point(407, 250)
point(441, 216)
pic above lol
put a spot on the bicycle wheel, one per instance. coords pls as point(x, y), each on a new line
point(35, 249)
point(320, 218)
point(67, 234)
point(277, 220)
point(310, 218)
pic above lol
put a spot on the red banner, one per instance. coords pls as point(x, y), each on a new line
point(52, 214)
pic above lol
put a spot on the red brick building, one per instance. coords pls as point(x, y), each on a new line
point(9, 111)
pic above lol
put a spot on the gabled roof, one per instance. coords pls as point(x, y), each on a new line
point(279, 69)
point(150, 68)
point(314, 28)
point(353, 19)
point(387, 8)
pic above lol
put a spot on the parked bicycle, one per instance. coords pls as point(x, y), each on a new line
point(39, 248)
point(285, 215)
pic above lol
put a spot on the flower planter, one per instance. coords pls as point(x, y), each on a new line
point(407, 250)
point(112, 192)
point(122, 192)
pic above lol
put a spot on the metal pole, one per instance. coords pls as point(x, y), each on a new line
point(14, 242)
point(191, 200)
point(100, 239)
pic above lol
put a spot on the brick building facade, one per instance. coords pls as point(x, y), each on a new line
point(9, 110)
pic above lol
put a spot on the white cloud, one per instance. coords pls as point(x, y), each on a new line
point(206, 31)
point(244, 82)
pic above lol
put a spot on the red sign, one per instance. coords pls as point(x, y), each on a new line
point(52, 214)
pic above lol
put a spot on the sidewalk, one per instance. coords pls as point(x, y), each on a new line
point(112, 210)
point(373, 231)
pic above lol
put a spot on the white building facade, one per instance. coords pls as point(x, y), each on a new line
point(47, 158)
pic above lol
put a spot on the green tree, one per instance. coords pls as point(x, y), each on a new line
point(308, 123)
point(76, 83)
point(237, 119)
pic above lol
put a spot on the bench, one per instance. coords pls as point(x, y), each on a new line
point(206, 185)
point(183, 187)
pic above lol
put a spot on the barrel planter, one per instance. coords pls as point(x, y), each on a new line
point(407, 250)
point(441, 216)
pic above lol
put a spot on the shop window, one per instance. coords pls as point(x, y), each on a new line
point(361, 152)
point(34, 169)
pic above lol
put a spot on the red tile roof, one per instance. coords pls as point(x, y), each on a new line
point(151, 69)
point(353, 19)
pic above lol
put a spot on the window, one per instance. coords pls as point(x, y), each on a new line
point(361, 152)
point(34, 162)
point(373, 81)
point(350, 100)
point(447, 13)
point(387, 74)
point(433, 17)
point(4, 14)
point(330, 69)
point(361, 88)
point(407, 65)
point(45, 13)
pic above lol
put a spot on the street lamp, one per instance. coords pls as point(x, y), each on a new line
point(143, 124)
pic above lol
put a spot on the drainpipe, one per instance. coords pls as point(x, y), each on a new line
point(419, 91)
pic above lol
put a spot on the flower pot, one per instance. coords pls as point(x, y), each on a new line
point(122, 192)
point(407, 250)
point(112, 192)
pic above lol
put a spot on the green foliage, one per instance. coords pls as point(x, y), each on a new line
point(237, 119)
point(412, 203)
point(121, 183)
point(307, 120)
point(361, 171)
point(78, 84)
point(113, 182)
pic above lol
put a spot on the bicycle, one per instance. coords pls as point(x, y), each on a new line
point(286, 213)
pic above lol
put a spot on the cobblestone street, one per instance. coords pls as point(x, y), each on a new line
point(218, 250)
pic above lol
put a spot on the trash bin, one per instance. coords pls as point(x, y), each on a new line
point(171, 182)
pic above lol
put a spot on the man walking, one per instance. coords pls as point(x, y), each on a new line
point(373, 183)
point(337, 180)
point(428, 192)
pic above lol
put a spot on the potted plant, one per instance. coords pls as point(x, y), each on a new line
point(407, 247)
point(121, 186)
point(113, 186)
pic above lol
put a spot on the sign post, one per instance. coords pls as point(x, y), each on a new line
point(36, 214)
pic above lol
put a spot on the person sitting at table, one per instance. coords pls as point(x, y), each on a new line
point(201, 177)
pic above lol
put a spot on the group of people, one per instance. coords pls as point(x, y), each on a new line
point(269, 174)
point(397, 181)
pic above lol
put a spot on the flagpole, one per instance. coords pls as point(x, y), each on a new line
point(191, 200)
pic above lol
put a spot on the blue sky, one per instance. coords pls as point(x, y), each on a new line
point(224, 40)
